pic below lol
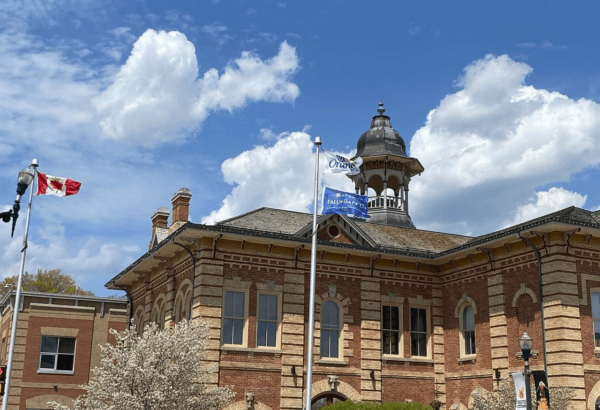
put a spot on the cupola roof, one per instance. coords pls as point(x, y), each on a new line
point(381, 138)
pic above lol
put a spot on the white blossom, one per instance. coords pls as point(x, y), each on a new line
point(157, 370)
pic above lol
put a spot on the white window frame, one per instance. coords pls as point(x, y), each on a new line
point(428, 344)
point(279, 316)
point(54, 371)
point(245, 327)
point(340, 357)
point(461, 327)
point(399, 306)
point(594, 320)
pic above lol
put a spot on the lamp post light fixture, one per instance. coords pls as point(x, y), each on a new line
point(526, 343)
point(24, 179)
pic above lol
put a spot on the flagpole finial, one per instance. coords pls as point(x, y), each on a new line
point(35, 163)
point(317, 140)
point(381, 110)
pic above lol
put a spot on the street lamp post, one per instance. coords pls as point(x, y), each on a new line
point(526, 342)
point(25, 179)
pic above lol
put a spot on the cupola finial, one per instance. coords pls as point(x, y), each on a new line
point(381, 110)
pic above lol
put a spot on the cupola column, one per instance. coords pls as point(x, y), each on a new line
point(406, 199)
point(366, 189)
point(385, 204)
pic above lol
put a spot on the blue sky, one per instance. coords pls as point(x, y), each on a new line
point(136, 99)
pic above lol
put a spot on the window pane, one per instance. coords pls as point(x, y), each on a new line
point(229, 303)
point(263, 306)
point(49, 344)
point(324, 343)
point(597, 331)
point(468, 318)
point(386, 342)
point(65, 362)
point(272, 307)
point(227, 331)
point(47, 361)
point(386, 317)
point(414, 318)
point(238, 330)
point(330, 315)
point(333, 343)
point(261, 334)
point(417, 344)
point(271, 334)
point(596, 305)
point(395, 318)
point(395, 339)
point(239, 304)
point(67, 345)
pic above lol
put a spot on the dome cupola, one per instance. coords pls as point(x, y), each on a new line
point(381, 138)
point(385, 173)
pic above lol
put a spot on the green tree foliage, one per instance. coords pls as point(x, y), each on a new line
point(52, 281)
point(350, 405)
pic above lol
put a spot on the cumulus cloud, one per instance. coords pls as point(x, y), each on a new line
point(279, 176)
point(554, 199)
point(494, 141)
point(157, 96)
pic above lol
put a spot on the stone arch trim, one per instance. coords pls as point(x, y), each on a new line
point(242, 405)
point(40, 402)
point(181, 295)
point(593, 396)
point(524, 290)
point(322, 386)
point(465, 300)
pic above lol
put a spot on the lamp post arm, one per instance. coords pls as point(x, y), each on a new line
point(13, 332)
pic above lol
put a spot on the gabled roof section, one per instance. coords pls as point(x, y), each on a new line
point(158, 235)
point(395, 237)
point(345, 223)
point(270, 220)
point(571, 215)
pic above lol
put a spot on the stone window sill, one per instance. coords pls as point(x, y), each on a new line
point(467, 359)
point(343, 362)
point(394, 358)
point(40, 371)
point(226, 349)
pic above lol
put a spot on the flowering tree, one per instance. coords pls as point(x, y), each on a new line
point(157, 370)
point(504, 398)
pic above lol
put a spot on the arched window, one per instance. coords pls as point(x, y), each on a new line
point(189, 303)
point(597, 404)
point(139, 322)
point(468, 330)
point(330, 330)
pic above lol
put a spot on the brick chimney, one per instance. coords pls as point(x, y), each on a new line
point(160, 218)
point(181, 207)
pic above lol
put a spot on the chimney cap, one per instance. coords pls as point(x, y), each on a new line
point(182, 192)
point(162, 211)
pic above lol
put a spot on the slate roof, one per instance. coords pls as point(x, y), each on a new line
point(397, 237)
point(270, 220)
point(291, 223)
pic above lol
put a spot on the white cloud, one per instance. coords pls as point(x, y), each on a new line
point(280, 176)
point(547, 202)
point(157, 97)
point(214, 29)
point(494, 141)
point(544, 44)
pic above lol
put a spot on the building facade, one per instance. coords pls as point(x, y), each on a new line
point(401, 313)
point(57, 343)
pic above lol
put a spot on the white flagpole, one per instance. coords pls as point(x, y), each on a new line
point(13, 332)
point(311, 297)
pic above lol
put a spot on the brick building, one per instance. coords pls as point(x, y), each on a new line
point(57, 344)
point(401, 313)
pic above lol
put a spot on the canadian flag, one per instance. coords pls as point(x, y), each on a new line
point(49, 185)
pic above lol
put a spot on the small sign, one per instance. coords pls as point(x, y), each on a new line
point(520, 390)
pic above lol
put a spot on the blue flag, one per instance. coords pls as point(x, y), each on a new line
point(339, 202)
